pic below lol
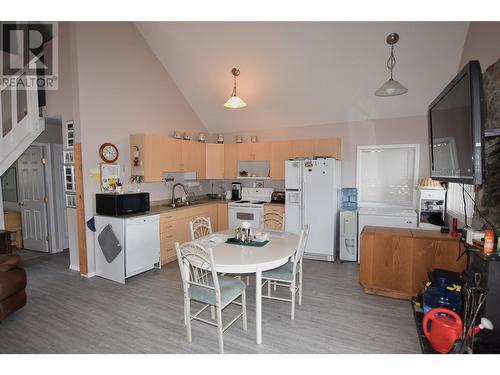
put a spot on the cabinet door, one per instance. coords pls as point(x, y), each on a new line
point(153, 158)
point(214, 161)
point(303, 148)
point(191, 153)
point(244, 151)
point(222, 218)
point(261, 151)
point(172, 152)
point(168, 237)
point(199, 154)
point(230, 159)
point(280, 151)
point(327, 147)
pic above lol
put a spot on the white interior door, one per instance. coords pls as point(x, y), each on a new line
point(32, 199)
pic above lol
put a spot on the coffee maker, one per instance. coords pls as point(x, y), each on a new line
point(236, 191)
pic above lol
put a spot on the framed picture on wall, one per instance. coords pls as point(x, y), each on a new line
point(69, 134)
point(69, 178)
point(69, 156)
point(70, 200)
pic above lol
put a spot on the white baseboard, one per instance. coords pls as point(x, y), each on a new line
point(89, 275)
point(74, 268)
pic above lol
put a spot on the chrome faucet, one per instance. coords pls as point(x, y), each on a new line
point(173, 191)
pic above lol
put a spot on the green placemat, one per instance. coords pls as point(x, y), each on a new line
point(234, 241)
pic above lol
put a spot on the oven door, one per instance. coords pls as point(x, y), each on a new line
point(237, 215)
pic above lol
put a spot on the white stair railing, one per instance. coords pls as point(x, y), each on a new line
point(23, 117)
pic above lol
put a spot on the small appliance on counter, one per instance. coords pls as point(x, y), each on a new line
point(236, 191)
point(278, 197)
point(115, 204)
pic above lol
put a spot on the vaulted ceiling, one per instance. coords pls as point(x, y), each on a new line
point(303, 73)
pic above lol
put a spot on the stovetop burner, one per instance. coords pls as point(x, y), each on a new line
point(259, 202)
point(242, 202)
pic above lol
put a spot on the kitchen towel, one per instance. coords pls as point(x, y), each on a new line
point(110, 245)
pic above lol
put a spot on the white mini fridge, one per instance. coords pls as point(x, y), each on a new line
point(348, 236)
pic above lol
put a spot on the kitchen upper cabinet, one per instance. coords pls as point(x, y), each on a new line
point(261, 151)
point(303, 148)
point(193, 158)
point(159, 154)
point(280, 151)
point(230, 160)
point(244, 151)
point(172, 150)
point(214, 165)
point(151, 158)
point(327, 147)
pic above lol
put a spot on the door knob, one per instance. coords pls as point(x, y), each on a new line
point(20, 204)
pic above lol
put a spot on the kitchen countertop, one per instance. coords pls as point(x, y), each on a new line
point(156, 209)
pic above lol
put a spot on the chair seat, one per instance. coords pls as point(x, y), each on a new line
point(230, 289)
point(284, 273)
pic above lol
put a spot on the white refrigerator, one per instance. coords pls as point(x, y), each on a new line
point(311, 188)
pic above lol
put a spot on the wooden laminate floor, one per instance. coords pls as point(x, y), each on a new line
point(67, 313)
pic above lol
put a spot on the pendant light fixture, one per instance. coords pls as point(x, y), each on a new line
point(391, 87)
point(234, 101)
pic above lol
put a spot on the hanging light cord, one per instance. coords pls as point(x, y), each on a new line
point(234, 86)
point(391, 62)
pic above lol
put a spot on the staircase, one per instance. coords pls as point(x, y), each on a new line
point(20, 123)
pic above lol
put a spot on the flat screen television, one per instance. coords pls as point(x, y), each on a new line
point(455, 120)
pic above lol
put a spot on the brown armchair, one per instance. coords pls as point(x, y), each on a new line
point(12, 285)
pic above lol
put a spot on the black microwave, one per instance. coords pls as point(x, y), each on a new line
point(114, 204)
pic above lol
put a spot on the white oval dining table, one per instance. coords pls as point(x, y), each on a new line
point(241, 259)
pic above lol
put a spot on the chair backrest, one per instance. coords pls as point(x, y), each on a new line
point(199, 227)
point(274, 220)
point(301, 246)
point(196, 265)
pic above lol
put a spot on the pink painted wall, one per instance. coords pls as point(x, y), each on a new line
point(407, 130)
point(482, 43)
point(112, 85)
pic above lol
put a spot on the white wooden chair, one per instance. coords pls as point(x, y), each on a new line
point(274, 220)
point(286, 275)
point(202, 284)
point(199, 227)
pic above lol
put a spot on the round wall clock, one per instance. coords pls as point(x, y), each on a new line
point(108, 152)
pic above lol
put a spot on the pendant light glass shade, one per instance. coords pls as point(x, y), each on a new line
point(391, 88)
point(235, 101)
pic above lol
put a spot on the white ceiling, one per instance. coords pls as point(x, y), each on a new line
point(300, 73)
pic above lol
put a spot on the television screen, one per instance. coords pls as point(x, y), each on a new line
point(455, 127)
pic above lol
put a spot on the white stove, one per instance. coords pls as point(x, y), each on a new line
point(250, 208)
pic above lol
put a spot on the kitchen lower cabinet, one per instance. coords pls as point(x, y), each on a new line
point(395, 261)
point(280, 209)
point(222, 218)
point(174, 227)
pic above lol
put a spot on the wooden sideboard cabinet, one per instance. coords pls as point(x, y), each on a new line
point(395, 261)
